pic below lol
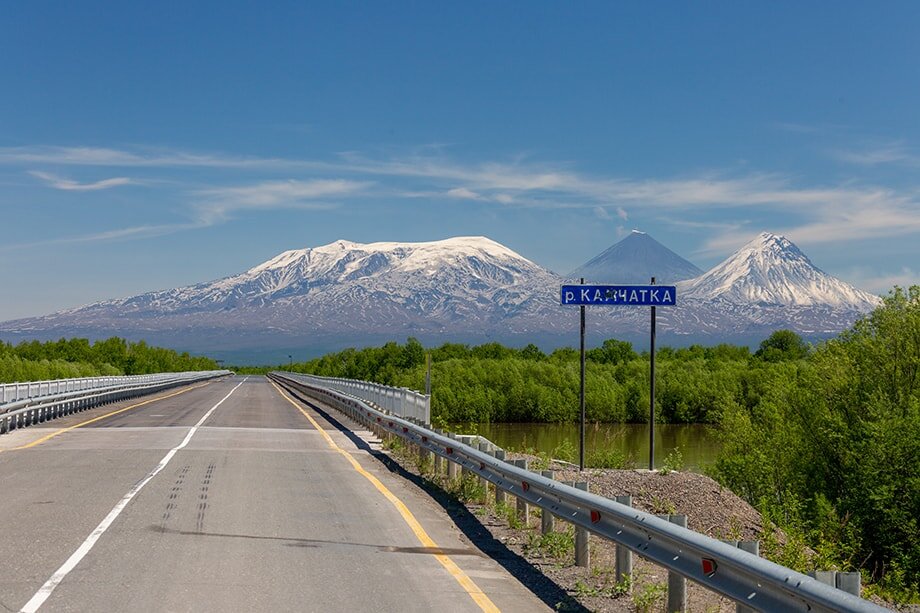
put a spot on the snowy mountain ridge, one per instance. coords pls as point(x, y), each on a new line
point(464, 288)
point(771, 270)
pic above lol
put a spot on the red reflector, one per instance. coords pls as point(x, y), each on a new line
point(391, 424)
point(595, 516)
point(482, 466)
point(424, 439)
point(379, 419)
point(525, 485)
point(450, 451)
point(709, 567)
point(405, 429)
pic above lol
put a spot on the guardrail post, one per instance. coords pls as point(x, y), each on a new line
point(624, 562)
point(750, 547)
point(523, 510)
point(483, 482)
point(849, 582)
point(452, 467)
point(438, 460)
point(466, 439)
point(546, 518)
point(677, 584)
point(582, 552)
point(424, 457)
point(499, 492)
point(827, 577)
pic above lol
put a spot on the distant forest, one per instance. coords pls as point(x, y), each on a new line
point(494, 383)
point(77, 357)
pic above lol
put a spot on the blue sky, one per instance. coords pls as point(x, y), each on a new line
point(146, 147)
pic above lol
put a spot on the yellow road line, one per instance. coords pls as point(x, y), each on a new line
point(95, 419)
point(455, 571)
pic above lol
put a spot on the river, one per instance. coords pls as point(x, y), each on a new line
point(698, 444)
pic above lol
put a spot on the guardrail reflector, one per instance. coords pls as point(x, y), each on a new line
point(449, 450)
point(525, 485)
point(595, 516)
point(709, 567)
point(405, 429)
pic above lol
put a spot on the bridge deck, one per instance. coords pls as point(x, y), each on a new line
point(256, 512)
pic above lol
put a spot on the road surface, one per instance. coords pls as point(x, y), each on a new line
point(226, 496)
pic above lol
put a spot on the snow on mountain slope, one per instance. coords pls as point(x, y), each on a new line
point(771, 270)
point(449, 285)
point(636, 259)
point(469, 289)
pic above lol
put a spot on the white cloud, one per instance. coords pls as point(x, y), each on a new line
point(463, 194)
point(890, 153)
point(882, 282)
point(69, 185)
point(812, 213)
point(145, 231)
point(218, 203)
point(602, 213)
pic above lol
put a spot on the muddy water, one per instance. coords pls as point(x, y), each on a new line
point(698, 444)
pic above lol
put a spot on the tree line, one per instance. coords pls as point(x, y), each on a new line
point(78, 357)
point(494, 383)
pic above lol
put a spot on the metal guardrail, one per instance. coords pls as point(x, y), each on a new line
point(398, 401)
point(37, 409)
point(745, 578)
point(30, 389)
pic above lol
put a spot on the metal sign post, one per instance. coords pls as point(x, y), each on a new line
point(651, 409)
point(581, 395)
point(620, 295)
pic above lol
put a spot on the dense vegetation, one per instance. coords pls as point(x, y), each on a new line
point(495, 383)
point(831, 449)
point(77, 357)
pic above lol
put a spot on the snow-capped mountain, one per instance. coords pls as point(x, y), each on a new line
point(771, 270)
point(451, 287)
point(468, 289)
point(636, 259)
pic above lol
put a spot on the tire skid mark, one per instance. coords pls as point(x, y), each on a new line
point(203, 496)
point(174, 493)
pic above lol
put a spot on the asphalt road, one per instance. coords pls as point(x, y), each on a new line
point(226, 497)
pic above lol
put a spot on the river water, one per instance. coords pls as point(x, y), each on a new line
point(698, 444)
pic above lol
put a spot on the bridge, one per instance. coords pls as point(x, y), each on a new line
point(227, 495)
point(209, 491)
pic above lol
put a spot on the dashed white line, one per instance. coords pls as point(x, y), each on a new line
point(45, 591)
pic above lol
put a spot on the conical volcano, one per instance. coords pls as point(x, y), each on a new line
point(636, 259)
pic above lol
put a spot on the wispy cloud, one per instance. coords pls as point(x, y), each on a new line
point(70, 185)
point(462, 193)
point(144, 157)
point(811, 213)
point(889, 153)
point(145, 231)
point(881, 283)
point(795, 128)
point(217, 203)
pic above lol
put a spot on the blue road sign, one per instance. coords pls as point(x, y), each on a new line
point(619, 295)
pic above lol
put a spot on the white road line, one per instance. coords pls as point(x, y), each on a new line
point(42, 594)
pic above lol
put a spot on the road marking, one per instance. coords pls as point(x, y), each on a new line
point(101, 417)
point(45, 591)
point(455, 571)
